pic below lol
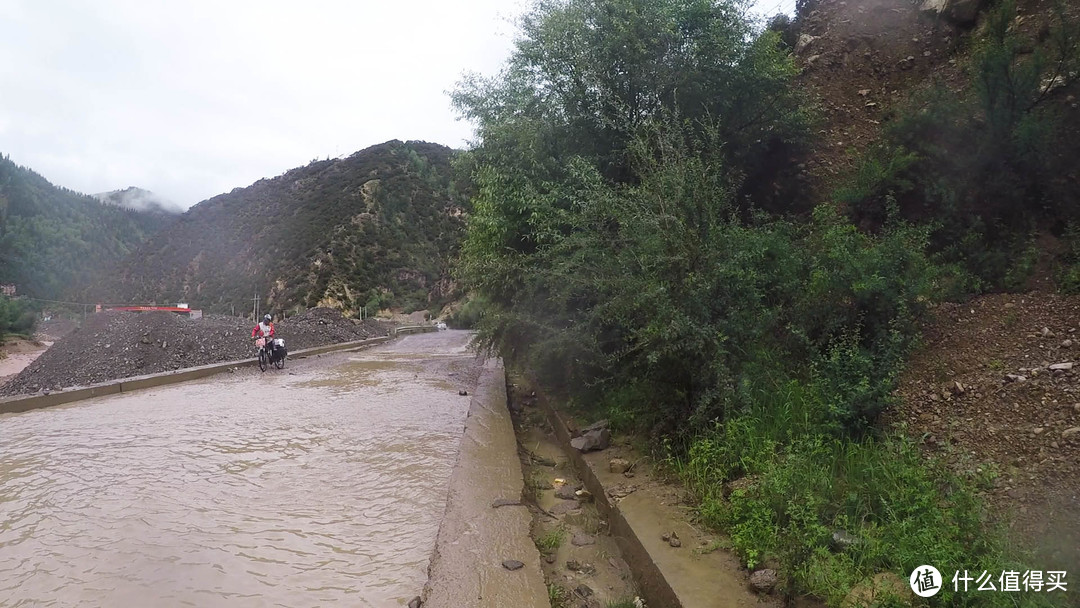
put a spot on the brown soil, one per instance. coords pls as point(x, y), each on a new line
point(867, 57)
point(1013, 435)
point(870, 57)
point(112, 345)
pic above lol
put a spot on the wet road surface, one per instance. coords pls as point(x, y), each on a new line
point(319, 484)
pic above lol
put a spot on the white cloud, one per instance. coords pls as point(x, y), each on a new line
point(191, 99)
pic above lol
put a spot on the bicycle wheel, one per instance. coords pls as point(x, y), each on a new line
point(280, 361)
point(262, 360)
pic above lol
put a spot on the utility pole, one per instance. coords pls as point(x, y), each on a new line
point(255, 307)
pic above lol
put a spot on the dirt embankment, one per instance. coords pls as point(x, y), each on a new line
point(112, 345)
point(995, 391)
point(862, 61)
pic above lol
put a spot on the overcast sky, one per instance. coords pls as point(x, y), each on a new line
point(194, 98)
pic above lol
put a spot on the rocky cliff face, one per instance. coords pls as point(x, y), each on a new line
point(376, 229)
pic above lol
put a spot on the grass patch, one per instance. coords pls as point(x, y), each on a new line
point(903, 510)
point(551, 541)
point(557, 596)
point(535, 483)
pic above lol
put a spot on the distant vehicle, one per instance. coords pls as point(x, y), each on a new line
point(440, 326)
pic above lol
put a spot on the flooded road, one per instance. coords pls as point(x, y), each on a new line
point(319, 484)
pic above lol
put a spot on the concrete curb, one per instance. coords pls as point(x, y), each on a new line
point(667, 577)
point(25, 403)
point(475, 538)
point(413, 329)
point(654, 587)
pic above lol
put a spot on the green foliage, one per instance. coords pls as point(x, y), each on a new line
point(16, 317)
point(587, 75)
point(786, 27)
point(800, 485)
point(551, 541)
point(557, 595)
point(622, 263)
point(469, 315)
point(54, 241)
point(658, 288)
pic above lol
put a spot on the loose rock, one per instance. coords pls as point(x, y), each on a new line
point(513, 564)
point(804, 42)
point(581, 539)
point(565, 507)
point(583, 568)
point(592, 440)
point(416, 602)
point(566, 492)
point(134, 338)
point(841, 539)
point(763, 581)
point(618, 465)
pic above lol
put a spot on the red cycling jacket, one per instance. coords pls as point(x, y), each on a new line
point(264, 330)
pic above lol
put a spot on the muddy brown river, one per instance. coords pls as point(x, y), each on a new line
point(320, 484)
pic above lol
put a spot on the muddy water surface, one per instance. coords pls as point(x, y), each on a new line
point(323, 483)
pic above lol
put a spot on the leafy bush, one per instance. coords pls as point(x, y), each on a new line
point(468, 315)
point(16, 317)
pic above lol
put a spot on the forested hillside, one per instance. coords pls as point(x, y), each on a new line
point(376, 229)
point(54, 240)
point(139, 199)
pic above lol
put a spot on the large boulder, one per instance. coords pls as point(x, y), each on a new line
point(961, 12)
point(935, 7)
point(965, 12)
point(804, 42)
point(591, 441)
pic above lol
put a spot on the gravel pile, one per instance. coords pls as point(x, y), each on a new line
point(113, 345)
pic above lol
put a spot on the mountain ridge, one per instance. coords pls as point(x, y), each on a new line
point(53, 239)
point(139, 199)
point(376, 229)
